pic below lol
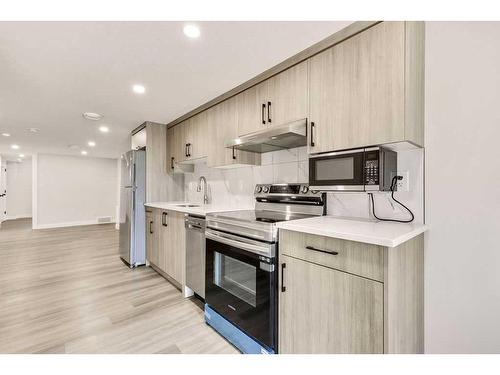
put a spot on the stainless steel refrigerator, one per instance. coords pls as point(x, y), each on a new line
point(132, 211)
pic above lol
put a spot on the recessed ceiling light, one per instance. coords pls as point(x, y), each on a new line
point(192, 31)
point(21, 155)
point(84, 152)
point(15, 147)
point(33, 130)
point(6, 134)
point(91, 143)
point(103, 129)
point(92, 116)
point(139, 89)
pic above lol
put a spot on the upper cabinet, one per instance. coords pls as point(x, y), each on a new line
point(276, 101)
point(368, 90)
point(195, 136)
point(252, 109)
point(365, 90)
point(288, 95)
point(222, 122)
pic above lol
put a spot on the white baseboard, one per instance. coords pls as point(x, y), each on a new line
point(14, 217)
point(68, 224)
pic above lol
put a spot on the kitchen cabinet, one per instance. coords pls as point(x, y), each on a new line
point(340, 296)
point(173, 246)
point(327, 311)
point(222, 126)
point(166, 243)
point(288, 95)
point(152, 236)
point(368, 89)
point(280, 99)
point(195, 136)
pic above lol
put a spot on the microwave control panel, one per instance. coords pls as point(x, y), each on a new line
point(371, 168)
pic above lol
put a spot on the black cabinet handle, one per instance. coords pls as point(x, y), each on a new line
point(172, 162)
point(234, 154)
point(322, 251)
point(151, 227)
point(164, 219)
point(263, 110)
point(186, 150)
point(269, 112)
point(283, 288)
point(312, 134)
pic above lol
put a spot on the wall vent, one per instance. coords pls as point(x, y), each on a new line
point(104, 219)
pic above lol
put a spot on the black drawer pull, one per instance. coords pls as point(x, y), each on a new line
point(269, 112)
point(283, 288)
point(322, 251)
point(164, 219)
point(312, 134)
point(263, 110)
point(151, 227)
point(172, 162)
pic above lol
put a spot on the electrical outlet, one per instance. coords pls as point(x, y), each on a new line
point(404, 184)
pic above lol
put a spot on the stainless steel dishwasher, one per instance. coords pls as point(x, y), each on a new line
point(195, 254)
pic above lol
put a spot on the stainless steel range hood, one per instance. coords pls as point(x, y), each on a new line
point(274, 138)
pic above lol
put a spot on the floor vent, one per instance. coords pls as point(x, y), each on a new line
point(103, 220)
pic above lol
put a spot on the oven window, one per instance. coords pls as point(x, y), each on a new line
point(335, 169)
point(235, 277)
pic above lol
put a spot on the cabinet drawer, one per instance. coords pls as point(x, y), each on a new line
point(354, 257)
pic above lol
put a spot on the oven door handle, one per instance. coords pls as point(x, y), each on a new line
point(248, 245)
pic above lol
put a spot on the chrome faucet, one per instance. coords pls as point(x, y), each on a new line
point(198, 189)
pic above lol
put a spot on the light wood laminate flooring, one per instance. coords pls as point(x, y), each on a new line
point(66, 290)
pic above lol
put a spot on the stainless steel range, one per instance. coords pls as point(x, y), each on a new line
point(241, 258)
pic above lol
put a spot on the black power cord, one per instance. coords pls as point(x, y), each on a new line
point(393, 185)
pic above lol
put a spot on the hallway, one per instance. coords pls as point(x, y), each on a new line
point(65, 290)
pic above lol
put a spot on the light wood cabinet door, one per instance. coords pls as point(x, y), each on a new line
point(323, 310)
point(164, 243)
point(357, 91)
point(222, 126)
point(177, 136)
point(175, 241)
point(252, 109)
point(195, 134)
point(288, 95)
point(153, 236)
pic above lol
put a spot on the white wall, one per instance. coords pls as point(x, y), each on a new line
point(72, 190)
point(19, 184)
point(462, 248)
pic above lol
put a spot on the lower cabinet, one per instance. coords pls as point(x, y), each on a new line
point(166, 243)
point(152, 235)
point(323, 310)
point(340, 296)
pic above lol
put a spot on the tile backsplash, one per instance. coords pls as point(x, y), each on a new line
point(234, 187)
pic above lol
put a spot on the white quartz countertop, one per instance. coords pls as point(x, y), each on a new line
point(374, 232)
point(200, 209)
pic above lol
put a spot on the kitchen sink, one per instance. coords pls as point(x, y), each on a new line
point(187, 205)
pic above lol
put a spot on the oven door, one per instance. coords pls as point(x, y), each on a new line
point(337, 171)
point(241, 282)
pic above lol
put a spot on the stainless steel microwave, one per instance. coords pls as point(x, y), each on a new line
point(365, 169)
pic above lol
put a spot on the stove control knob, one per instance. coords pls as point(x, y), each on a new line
point(265, 189)
point(305, 189)
point(258, 189)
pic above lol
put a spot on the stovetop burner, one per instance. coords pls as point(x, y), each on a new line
point(274, 203)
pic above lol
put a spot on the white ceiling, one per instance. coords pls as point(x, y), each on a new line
point(51, 72)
